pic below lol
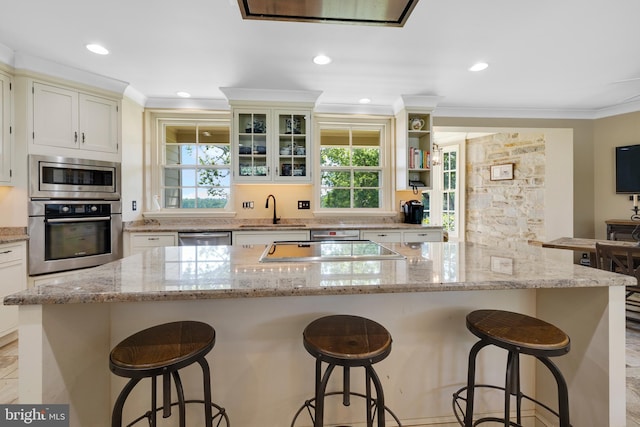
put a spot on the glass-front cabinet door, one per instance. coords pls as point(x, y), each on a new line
point(293, 150)
point(252, 149)
point(272, 145)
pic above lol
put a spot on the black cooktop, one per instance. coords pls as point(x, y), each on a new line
point(328, 250)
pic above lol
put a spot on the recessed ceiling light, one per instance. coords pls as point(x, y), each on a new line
point(322, 60)
point(96, 48)
point(183, 94)
point(479, 66)
point(365, 101)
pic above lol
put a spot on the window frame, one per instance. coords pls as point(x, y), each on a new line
point(385, 128)
point(157, 162)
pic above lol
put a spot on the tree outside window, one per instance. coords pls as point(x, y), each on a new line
point(197, 165)
point(350, 168)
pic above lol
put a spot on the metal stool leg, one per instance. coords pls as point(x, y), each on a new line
point(206, 378)
point(380, 408)
point(116, 416)
point(471, 381)
point(563, 393)
point(180, 393)
point(321, 388)
point(346, 386)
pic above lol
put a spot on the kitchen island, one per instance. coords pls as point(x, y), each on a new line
point(261, 372)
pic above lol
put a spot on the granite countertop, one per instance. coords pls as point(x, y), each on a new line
point(209, 272)
point(263, 225)
point(13, 234)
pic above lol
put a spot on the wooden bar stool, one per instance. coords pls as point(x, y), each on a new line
point(162, 350)
point(346, 341)
point(518, 334)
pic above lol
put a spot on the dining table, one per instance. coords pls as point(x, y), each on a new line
point(578, 244)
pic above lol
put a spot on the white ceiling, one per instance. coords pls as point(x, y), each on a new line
point(547, 57)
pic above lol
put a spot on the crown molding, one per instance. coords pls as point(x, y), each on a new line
point(30, 63)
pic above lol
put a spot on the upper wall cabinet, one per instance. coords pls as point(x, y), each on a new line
point(70, 119)
point(5, 129)
point(414, 143)
point(272, 145)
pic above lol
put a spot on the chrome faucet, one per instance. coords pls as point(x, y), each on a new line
point(271, 196)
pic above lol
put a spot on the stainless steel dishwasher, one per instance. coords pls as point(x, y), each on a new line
point(204, 238)
point(317, 235)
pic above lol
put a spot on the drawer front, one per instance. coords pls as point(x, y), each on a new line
point(382, 236)
point(12, 253)
point(423, 236)
point(152, 240)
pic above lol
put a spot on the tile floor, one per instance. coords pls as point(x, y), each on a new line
point(9, 374)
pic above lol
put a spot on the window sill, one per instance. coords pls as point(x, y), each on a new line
point(183, 213)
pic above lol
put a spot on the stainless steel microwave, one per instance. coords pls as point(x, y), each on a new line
point(53, 177)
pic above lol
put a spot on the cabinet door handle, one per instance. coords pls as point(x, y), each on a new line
point(153, 238)
point(75, 137)
point(83, 137)
point(381, 235)
point(6, 252)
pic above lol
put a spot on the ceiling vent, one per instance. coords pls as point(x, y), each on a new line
point(390, 13)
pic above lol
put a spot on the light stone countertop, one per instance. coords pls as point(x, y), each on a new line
point(264, 225)
point(215, 272)
point(13, 234)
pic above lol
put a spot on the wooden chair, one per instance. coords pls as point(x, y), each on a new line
point(623, 260)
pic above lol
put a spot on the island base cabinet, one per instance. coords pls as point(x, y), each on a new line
point(259, 361)
point(13, 271)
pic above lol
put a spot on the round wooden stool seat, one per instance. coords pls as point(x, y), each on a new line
point(161, 351)
point(155, 350)
point(347, 340)
point(520, 332)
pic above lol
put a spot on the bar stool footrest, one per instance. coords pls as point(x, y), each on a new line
point(310, 406)
point(460, 414)
point(221, 415)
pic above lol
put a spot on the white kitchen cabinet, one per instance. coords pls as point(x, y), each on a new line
point(426, 235)
point(140, 242)
point(66, 118)
point(5, 129)
point(382, 236)
point(266, 237)
point(13, 270)
point(404, 236)
point(272, 145)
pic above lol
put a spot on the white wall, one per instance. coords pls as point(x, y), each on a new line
point(609, 133)
point(132, 159)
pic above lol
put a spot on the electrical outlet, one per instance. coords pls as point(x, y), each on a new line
point(134, 205)
point(251, 204)
point(304, 204)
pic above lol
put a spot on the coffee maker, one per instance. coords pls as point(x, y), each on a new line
point(413, 211)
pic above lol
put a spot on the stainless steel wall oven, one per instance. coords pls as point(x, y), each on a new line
point(75, 214)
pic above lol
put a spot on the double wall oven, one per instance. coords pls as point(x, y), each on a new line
point(75, 213)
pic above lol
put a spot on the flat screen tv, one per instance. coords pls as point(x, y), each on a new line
point(628, 169)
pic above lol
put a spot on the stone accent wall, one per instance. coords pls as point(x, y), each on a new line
point(511, 212)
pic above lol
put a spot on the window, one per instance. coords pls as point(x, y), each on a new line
point(442, 204)
point(195, 164)
point(352, 166)
point(449, 189)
